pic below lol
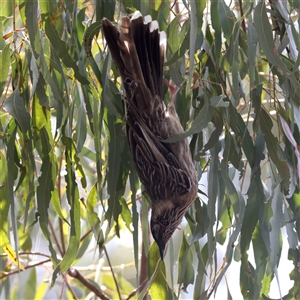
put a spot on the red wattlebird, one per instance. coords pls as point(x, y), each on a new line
point(165, 169)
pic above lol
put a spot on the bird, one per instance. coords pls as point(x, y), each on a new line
point(165, 169)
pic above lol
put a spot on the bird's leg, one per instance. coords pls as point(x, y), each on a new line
point(173, 89)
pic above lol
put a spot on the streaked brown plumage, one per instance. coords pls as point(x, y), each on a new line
point(165, 169)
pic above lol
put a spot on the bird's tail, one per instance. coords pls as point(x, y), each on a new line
point(138, 51)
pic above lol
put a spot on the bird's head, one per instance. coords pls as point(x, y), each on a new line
point(164, 221)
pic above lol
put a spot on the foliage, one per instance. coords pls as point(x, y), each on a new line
point(66, 171)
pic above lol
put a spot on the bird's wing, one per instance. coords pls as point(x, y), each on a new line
point(158, 167)
point(139, 58)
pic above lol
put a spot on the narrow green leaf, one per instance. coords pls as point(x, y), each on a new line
point(218, 101)
point(81, 129)
point(31, 14)
point(39, 116)
point(215, 136)
point(134, 185)
point(73, 200)
point(252, 46)
point(158, 288)
point(125, 287)
point(217, 32)
point(233, 194)
point(126, 214)
point(265, 37)
point(255, 198)
point(172, 33)
point(14, 105)
point(62, 50)
point(186, 270)
point(294, 256)
point(199, 287)
point(89, 34)
point(193, 37)
point(116, 147)
point(247, 278)
point(11, 173)
point(5, 63)
point(4, 209)
point(234, 61)
point(212, 192)
point(92, 216)
point(243, 135)
point(200, 122)
point(55, 201)
point(43, 193)
point(111, 95)
point(232, 239)
point(227, 19)
point(184, 40)
point(261, 260)
point(272, 145)
point(275, 234)
point(293, 239)
point(105, 9)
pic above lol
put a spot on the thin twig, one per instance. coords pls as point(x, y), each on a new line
point(68, 285)
point(242, 16)
point(55, 238)
point(112, 272)
point(86, 234)
point(75, 274)
point(6, 274)
point(138, 289)
point(28, 253)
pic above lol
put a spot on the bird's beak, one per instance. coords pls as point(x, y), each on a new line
point(161, 247)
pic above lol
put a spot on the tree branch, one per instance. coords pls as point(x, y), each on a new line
point(75, 274)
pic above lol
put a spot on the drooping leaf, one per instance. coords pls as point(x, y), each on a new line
point(186, 269)
point(116, 147)
point(157, 273)
point(264, 35)
point(62, 50)
point(73, 200)
point(126, 215)
point(226, 17)
point(198, 124)
point(217, 101)
point(272, 145)
point(92, 216)
point(5, 63)
point(4, 209)
point(43, 194)
point(14, 105)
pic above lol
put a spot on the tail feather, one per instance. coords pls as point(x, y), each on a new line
point(139, 58)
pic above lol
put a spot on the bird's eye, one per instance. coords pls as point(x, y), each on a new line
point(163, 223)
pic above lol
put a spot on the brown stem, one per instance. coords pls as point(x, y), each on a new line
point(68, 286)
point(75, 274)
point(242, 15)
point(144, 264)
point(6, 274)
point(55, 238)
point(112, 272)
point(85, 235)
